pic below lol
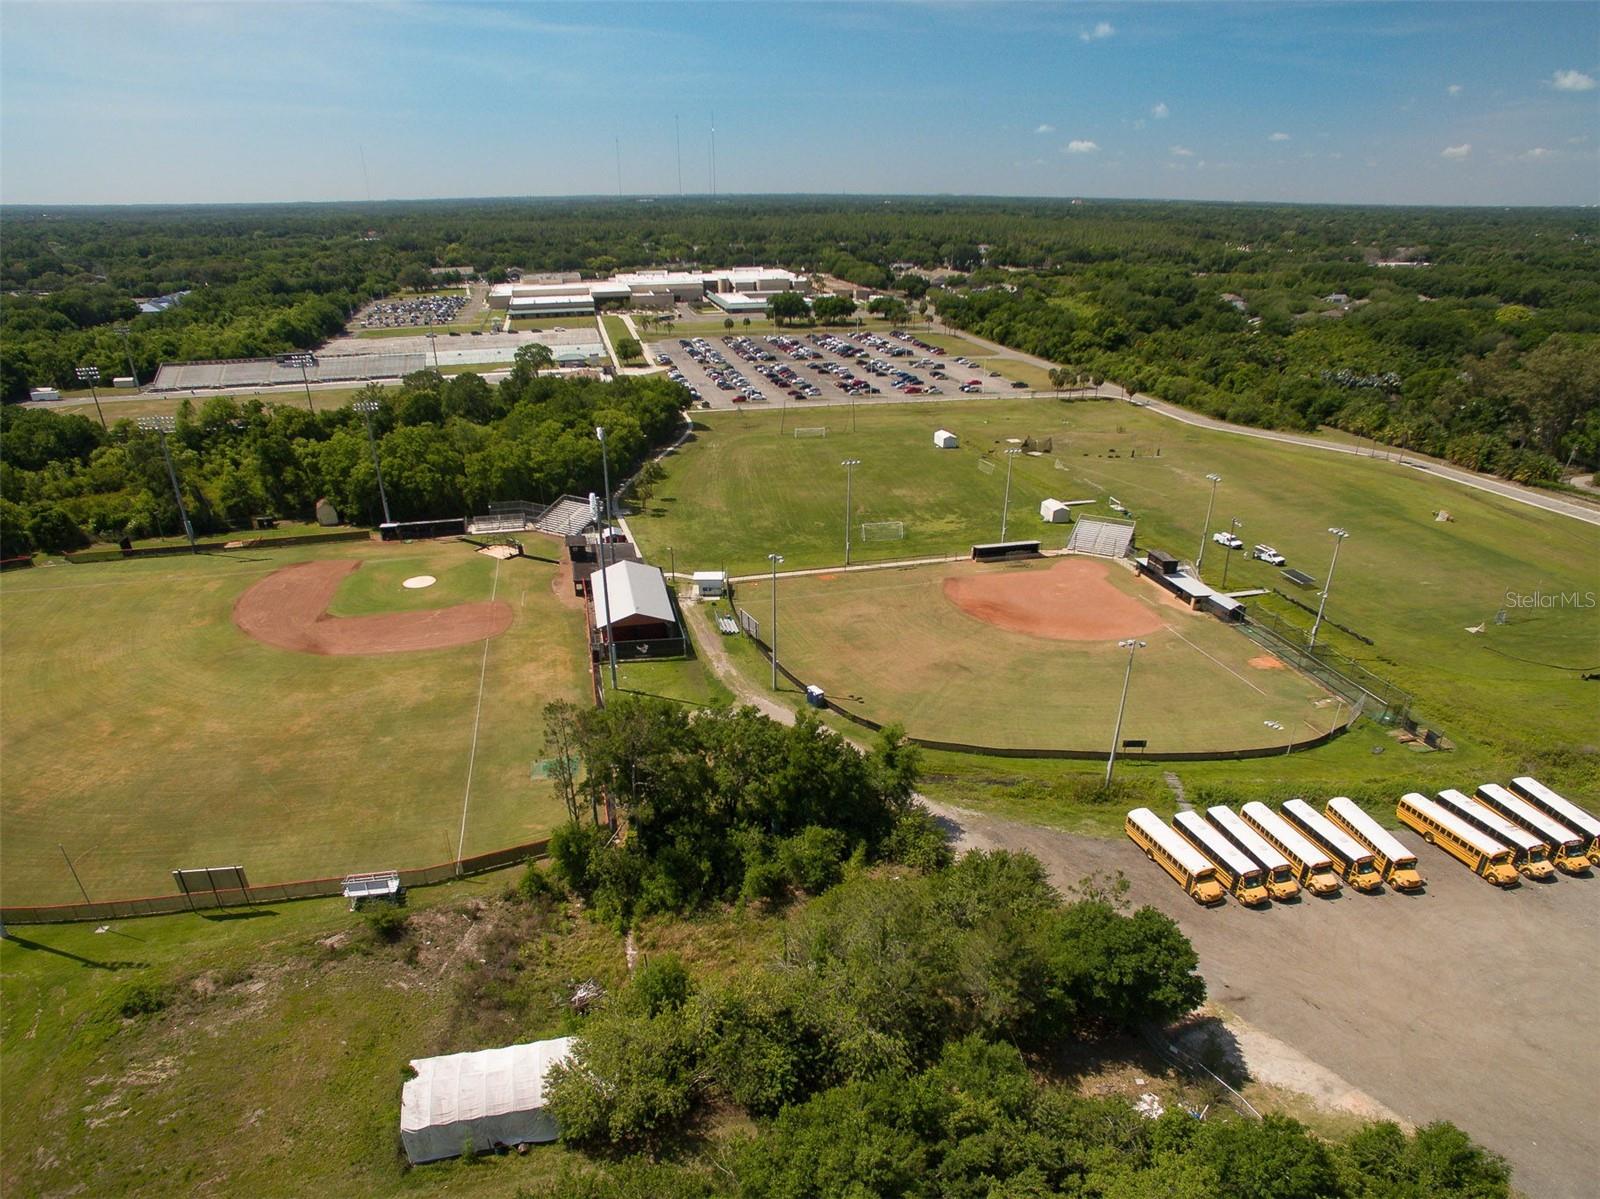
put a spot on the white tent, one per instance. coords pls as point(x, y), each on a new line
point(945, 440)
point(1055, 512)
point(490, 1098)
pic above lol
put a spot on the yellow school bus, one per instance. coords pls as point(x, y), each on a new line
point(1353, 860)
point(1528, 853)
point(1567, 849)
point(1193, 872)
point(1563, 809)
point(1395, 862)
point(1481, 854)
point(1244, 878)
point(1311, 865)
point(1280, 874)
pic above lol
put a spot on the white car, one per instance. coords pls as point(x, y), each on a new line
point(1227, 539)
point(1267, 554)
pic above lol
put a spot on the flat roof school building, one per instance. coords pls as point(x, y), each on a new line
point(741, 289)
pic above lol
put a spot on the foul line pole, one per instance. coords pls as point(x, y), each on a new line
point(477, 717)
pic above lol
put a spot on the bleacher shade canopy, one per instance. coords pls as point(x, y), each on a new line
point(489, 1098)
point(638, 595)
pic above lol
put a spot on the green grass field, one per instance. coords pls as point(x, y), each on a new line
point(144, 732)
point(1509, 697)
point(888, 644)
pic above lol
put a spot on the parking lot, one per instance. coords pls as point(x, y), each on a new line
point(821, 368)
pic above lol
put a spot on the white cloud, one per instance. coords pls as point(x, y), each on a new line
point(1535, 154)
point(1572, 81)
point(1278, 137)
point(1100, 32)
point(1159, 112)
point(1455, 89)
point(1045, 129)
point(1460, 151)
point(1182, 152)
point(1082, 146)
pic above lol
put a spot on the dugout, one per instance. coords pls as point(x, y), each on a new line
point(999, 551)
point(1161, 562)
point(421, 530)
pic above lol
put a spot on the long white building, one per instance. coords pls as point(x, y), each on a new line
point(739, 289)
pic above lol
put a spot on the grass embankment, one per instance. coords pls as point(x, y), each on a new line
point(1510, 698)
point(145, 732)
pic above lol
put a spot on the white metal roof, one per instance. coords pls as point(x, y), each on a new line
point(636, 590)
point(1327, 831)
point(452, 1095)
point(1285, 832)
point(1565, 808)
point(1190, 858)
point(1254, 843)
point(1482, 842)
point(1190, 585)
point(1516, 808)
point(1216, 844)
point(710, 576)
point(1470, 809)
point(1370, 831)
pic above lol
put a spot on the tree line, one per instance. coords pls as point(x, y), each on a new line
point(446, 446)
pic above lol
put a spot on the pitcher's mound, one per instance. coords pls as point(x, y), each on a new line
point(1071, 601)
point(289, 609)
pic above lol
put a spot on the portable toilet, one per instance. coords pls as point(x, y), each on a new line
point(943, 439)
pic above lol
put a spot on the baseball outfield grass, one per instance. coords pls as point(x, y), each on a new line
point(1510, 696)
point(143, 731)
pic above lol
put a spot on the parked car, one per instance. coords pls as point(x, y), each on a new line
point(1267, 554)
point(1227, 539)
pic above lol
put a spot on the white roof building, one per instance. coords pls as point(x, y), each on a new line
point(743, 288)
point(489, 1098)
point(638, 595)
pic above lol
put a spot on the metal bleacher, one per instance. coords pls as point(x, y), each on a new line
point(567, 517)
point(1105, 538)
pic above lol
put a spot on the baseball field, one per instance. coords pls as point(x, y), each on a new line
point(296, 711)
point(1027, 656)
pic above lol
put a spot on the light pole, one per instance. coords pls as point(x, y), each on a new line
point(1338, 539)
point(367, 408)
point(777, 561)
point(91, 376)
point(605, 535)
point(849, 465)
point(127, 348)
point(1234, 526)
point(433, 341)
point(303, 361)
point(161, 426)
point(1206, 531)
point(1005, 504)
point(1132, 646)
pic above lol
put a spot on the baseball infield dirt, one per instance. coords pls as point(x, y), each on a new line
point(289, 609)
point(1072, 601)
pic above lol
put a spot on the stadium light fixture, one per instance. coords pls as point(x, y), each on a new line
point(91, 376)
point(367, 408)
point(303, 361)
point(849, 465)
point(1205, 532)
point(1273, 724)
point(1234, 526)
point(605, 537)
point(433, 341)
point(127, 347)
point(1005, 504)
point(1132, 645)
point(777, 561)
point(161, 426)
point(1338, 539)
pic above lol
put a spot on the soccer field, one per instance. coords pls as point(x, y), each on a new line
point(144, 731)
point(1025, 656)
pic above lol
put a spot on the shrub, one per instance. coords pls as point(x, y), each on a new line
point(811, 859)
point(140, 997)
point(386, 922)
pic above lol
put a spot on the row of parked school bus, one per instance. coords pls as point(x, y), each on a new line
point(1258, 855)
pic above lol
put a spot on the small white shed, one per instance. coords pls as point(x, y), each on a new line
point(710, 584)
point(43, 393)
point(490, 1098)
point(1055, 512)
point(945, 440)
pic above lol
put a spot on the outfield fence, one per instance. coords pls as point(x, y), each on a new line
point(264, 893)
point(80, 557)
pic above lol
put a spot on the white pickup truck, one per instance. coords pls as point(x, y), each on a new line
point(1267, 554)
point(1228, 539)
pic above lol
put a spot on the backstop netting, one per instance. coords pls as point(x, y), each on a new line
point(883, 530)
point(1038, 445)
point(1102, 537)
point(816, 431)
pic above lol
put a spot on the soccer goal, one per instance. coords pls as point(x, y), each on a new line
point(883, 530)
point(1060, 465)
point(986, 466)
point(815, 431)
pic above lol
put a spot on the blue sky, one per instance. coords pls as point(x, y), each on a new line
point(1418, 103)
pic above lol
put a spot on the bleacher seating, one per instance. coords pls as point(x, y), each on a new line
point(1108, 539)
point(567, 517)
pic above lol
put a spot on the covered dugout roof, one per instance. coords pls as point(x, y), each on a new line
point(492, 1097)
point(638, 593)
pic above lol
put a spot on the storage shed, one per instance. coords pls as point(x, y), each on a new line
point(945, 440)
point(1055, 512)
point(490, 1098)
point(710, 584)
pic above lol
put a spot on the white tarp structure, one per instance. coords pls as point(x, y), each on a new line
point(945, 440)
point(490, 1098)
point(1055, 512)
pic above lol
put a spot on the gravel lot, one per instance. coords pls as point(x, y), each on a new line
point(1464, 1003)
